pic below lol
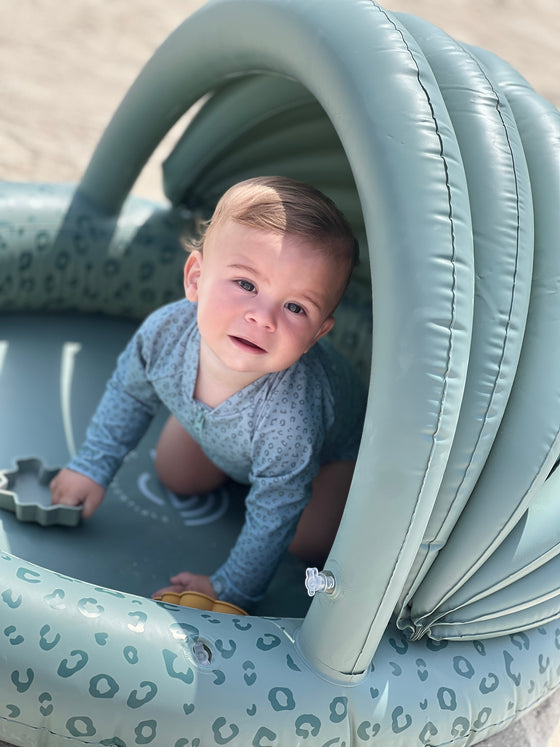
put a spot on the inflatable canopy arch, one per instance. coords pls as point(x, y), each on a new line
point(442, 626)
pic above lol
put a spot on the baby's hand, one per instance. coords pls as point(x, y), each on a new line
point(186, 581)
point(71, 488)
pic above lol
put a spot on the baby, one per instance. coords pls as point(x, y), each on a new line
point(252, 396)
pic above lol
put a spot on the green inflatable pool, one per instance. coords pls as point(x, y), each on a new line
point(443, 624)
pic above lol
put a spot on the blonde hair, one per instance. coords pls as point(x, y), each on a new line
point(283, 205)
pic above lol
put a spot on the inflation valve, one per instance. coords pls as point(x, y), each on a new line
point(316, 581)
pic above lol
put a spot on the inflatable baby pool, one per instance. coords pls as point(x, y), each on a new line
point(437, 621)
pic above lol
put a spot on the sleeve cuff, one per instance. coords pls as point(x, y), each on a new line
point(100, 476)
point(228, 592)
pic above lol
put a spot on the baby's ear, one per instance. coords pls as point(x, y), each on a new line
point(323, 330)
point(191, 275)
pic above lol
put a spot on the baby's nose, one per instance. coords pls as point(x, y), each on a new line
point(262, 314)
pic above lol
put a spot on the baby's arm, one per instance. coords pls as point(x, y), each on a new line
point(268, 529)
point(71, 488)
point(273, 508)
point(121, 418)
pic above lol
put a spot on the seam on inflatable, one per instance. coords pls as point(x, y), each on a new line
point(523, 503)
point(453, 314)
point(514, 286)
point(48, 731)
point(431, 618)
point(501, 724)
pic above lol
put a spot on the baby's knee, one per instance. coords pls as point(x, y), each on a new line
point(183, 468)
point(311, 550)
point(168, 472)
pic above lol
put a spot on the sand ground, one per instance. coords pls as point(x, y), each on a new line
point(65, 67)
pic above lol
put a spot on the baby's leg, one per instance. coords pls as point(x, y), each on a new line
point(319, 522)
point(181, 465)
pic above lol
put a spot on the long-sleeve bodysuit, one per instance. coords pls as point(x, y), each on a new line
point(273, 435)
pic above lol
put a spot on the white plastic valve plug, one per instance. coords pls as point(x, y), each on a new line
point(319, 581)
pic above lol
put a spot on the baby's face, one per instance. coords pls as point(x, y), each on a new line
point(263, 298)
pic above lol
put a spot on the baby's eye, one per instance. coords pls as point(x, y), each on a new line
point(294, 308)
point(246, 285)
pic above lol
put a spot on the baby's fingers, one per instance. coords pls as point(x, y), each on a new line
point(71, 488)
point(169, 590)
point(184, 579)
point(61, 496)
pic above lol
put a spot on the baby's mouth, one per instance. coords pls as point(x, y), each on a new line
point(247, 344)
